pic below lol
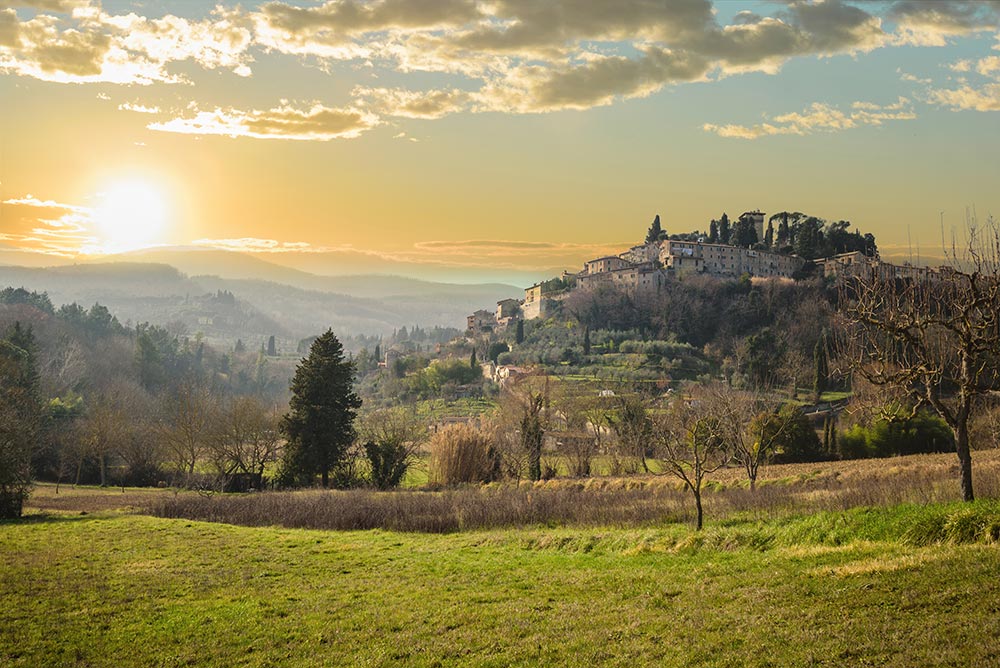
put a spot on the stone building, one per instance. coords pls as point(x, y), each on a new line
point(686, 257)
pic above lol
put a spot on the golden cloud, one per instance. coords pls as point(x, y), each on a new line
point(315, 123)
point(819, 117)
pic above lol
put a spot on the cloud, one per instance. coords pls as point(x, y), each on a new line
point(975, 95)
point(315, 123)
point(498, 254)
point(258, 245)
point(511, 56)
point(138, 108)
point(932, 22)
point(413, 104)
point(91, 46)
point(597, 82)
point(10, 28)
point(46, 226)
point(538, 253)
point(967, 98)
point(50, 5)
point(819, 117)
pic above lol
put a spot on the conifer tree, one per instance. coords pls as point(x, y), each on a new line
point(724, 229)
point(20, 416)
point(655, 232)
point(519, 334)
point(319, 426)
point(822, 373)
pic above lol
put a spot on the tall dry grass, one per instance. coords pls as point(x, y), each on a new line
point(461, 453)
point(637, 501)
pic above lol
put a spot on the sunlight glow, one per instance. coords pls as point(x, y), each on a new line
point(131, 215)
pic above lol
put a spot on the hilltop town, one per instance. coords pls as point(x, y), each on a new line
point(790, 247)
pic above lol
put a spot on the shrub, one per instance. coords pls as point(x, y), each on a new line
point(924, 433)
point(463, 454)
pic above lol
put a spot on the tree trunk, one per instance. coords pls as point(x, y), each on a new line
point(964, 457)
point(697, 505)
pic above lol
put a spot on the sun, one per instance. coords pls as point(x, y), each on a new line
point(130, 215)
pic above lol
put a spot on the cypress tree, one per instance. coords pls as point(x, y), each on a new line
point(724, 230)
point(519, 333)
point(822, 373)
point(319, 426)
point(655, 231)
point(472, 359)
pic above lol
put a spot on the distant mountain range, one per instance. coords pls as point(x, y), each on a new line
point(177, 286)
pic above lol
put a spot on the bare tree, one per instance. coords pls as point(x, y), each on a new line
point(391, 437)
point(101, 433)
point(186, 426)
point(578, 440)
point(245, 437)
point(524, 419)
point(933, 335)
point(751, 425)
point(691, 443)
point(631, 424)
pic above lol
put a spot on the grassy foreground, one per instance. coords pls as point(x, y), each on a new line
point(904, 586)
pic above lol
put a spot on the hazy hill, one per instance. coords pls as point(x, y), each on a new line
point(261, 306)
point(233, 265)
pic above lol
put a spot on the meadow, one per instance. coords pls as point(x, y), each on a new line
point(89, 578)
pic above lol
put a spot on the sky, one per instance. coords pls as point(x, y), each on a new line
point(486, 139)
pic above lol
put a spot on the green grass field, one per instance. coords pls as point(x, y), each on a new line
point(833, 589)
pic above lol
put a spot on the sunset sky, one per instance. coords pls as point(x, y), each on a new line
point(442, 137)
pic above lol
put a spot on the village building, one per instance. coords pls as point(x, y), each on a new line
point(481, 321)
point(537, 301)
point(686, 257)
point(508, 311)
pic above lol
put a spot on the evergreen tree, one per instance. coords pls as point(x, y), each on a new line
point(240, 347)
point(272, 350)
point(784, 233)
point(822, 374)
point(20, 418)
point(472, 359)
point(586, 340)
point(655, 232)
point(724, 229)
point(378, 353)
point(808, 238)
point(319, 426)
point(745, 233)
point(713, 232)
point(519, 333)
point(532, 434)
point(769, 235)
point(150, 361)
